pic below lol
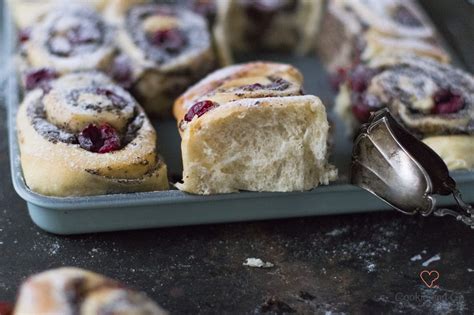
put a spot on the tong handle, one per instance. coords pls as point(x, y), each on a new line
point(465, 215)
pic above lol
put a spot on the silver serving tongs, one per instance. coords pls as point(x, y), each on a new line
point(395, 166)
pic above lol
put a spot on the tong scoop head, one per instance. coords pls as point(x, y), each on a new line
point(395, 166)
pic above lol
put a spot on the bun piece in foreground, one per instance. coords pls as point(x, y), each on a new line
point(71, 290)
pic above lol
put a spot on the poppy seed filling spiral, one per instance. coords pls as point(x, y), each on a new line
point(164, 42)
point(104, 105)
point(74, 35)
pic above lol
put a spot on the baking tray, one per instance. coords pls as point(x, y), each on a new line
point(75, 215)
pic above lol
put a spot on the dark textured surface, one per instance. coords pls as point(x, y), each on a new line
point(353, 264)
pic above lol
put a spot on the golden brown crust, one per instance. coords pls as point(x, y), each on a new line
point(223, 85)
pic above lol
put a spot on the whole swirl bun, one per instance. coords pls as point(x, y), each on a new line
point(367, 29)
point(70, 290)
point(165, 49)
point(255, 25)
point(70, 38)
point(87, 136)
point(249, 127)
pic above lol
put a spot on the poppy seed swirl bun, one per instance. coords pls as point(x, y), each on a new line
point(69, 39)
point(165, 49)
point(87, 136)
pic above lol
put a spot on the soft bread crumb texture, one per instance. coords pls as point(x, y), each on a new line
point(267, 144)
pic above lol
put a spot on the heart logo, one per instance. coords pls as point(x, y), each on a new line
point(429, 277)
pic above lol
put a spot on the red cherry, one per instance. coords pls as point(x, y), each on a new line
point(99, 139)
point(199, 109)
point(338, 78)
point(24, 35)
point(447, 102)
point(121, 71)
point(361, 111)
point(111, 139)
point(6, 308)
point(359, 78)
point(169, 39)
point(40, 78)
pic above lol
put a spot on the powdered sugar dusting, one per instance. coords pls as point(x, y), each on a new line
point(444, 301)
point(257, 263)
point(338, 231)
point(415, 258)
point(432, 259)
point(370, 267)
point(89, 57)
point(54, 249)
